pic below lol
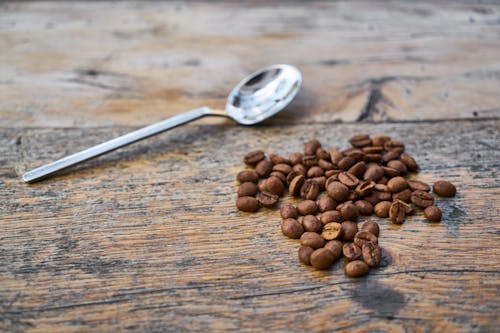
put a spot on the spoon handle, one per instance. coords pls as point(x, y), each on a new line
point(145, 132)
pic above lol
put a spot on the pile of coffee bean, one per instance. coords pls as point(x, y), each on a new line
point(336, 187)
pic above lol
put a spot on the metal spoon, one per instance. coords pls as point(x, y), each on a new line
point(256, 98)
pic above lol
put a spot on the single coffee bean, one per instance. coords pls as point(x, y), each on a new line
point(291, 175)
point(264, 168)
point(365, 187)
point(356, 155)
point(356, 268)
point(380, 140)
point(348, 179)
point(295, 158)
point(390, 155)
point(325, 165)
point(444, 188)
point(334, 174)
point(247, 189)
point(331, 216)
point(351, 196)
point(346, 163)
point(311, 223)
point(288, 211)
point(349, 229)
point(274, 185)
point(321, 181)
point(381, 188)
point(296, 185)
point(282, 167)
point(326, 203)
point(417, 185)
point(276, 159)
point(254, 157)
point(291, 228)
point(307, 207)
point(360, 140)
point(432, 213)
point(335, 246)
point(349, 211)
point(397, 184)
point(390, 172)
point(311, 146)
point(372, 227)
point(371, 254)
point(300, 168)
point(398, 165)
point(394, 145)
point(383, 196)
point(364, 207)
point(364, 236)
point(267, 199)
point(404, 195)
point(358, 169)
point(373, 158)
point(351, 251)
point(322, 259)
point(397, 212)
point(335, 156)
point(280, 175)
point(409, 161)
point(309, 160)
point(332, 231)
point(311, 239)
point(422, 199)
point(247, 176)
point(261, 186)
point(305, 254)
point(373, 172)
point(309, 190)
point(322, 154)
point(384, 180)
point(315, 171)
point(247, 204)
point(337, 191)
point(408, 207)
point(382, 209)
point(373, 150)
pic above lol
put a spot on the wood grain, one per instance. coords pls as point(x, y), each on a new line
point(147, 239)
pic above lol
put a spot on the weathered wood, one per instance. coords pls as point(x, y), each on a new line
point(148, 238)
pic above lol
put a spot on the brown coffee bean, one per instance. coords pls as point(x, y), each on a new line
point(274, 185)
point(394, 145)
point(398, 165)
point(348, 179)
point(288, 211)
point(372, 227)
point(282, 167)
point(291, 228)
point(311, 239)
point(280, 175)
point(291, 175)
point(276, 159)
point(364, 207)
point(351, 196)
point(351, 251)
point(397, 184)
point(382, 209)
point(254, 157)
point(262, 185)
point(325, 165)
point(295, 158)
point(305, 254)
point(300, 168)
point(335, 246)
point(365, 187)
point(373, 158)
point(334, 174)
point(373, 150)
point(356, 268)
point(432, 213)
point(331, 216)
point(322, 259)
point(315, 171)
point(322, 154)
point(404, 195)
point(296, 185)
point(247, 176)
point(309, 190)
point(311, 146)
point(360, 140)
point(356, 155)
point(422, 199)
point(390, 172)
point(332, 231)
point(307, 207)
point(326, 203)
point(311, 223)
point(390, 155)
point(397, 212)
point(264, 168)
point(383, 196)
point(372, 198)
point(408, 207)
point(349, 211)
point(380, 140)
point(417, 185)
point(364, 236)
point(247, 204)
point(346, 163)
point(337, 191)
point(373, 172)
point(381, 188)
point(247, 189)
point(267, 199)
point(349, 229)
point(309, 160)
point(358, 169)
point(321, 181)
point(371, 254)
point(383, 181)
point(409, 161)
point(335, 156)
point(444, 188)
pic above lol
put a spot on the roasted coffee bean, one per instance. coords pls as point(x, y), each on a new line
point(335, 246)
point(383, 196)
point(348, 179)
point(372, 150)
point(295, 158)
point(390, 172)
point(373, 172)
point(264, 168)
point(398, 165)
point(380, 140)
point(300, 168)
point(394, 145)
point(315, 171)
point(432, 213)
point(247, 189)
point(305, 254)
point(358, 169)
point(296, 185)
point(292, 175)
point(325, 165)
point(337, 191)
point(326, 203)
point(331, 216)
point(351, 251)
point(280, 175)
point(365, 187)
point(335, 156)
point(346, 163)
point(262, 185)
point(397, 184)
point(274, 185)
point(364, 236)
point(381, 188)
point(408, 207)
point(254, 157)
point(397, 212)
point(384, 180)
point(276, 159)
point(390, 155)
point(373, 158)
point(309, 190)
point(282, 167)
point(307, 207)
point(267, 199)
point(364, 207)
point(309, 160)
point(322, 154)
point(371, 254)
point(331, 231)
point(288, 211)
point(291, 228)
point(311, 239)
point(356, 268)
point(417, 185)
point(422, 199)
point(356, 155)
point(372, 198)
point(349, 229)
point(311, 223)
point(247, 176)
point(311, 146)
point(333, 178)
point(444, 188)
point(333, 173)
point(360, 140)
point(322, 259)
point(247, 204)
point(382, 209)
point(321, 181)
point(409, 161)
point(372, 227)
point(352, 196)
point(404, 195)
point(349, 211)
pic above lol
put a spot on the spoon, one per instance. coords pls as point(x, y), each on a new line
point(256, 98)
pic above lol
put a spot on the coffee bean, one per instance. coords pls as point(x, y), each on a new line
point(408, 207)
point(311, 146)
point(335, 156)
point(409, 161)
point(326, 203)
point(321, 181)
point(397, 212)
point(337, 191)
point(356, 155)
point(422, 199)
point(346, 163)
point(315, 171)
point(322, 259)
point(360, 140)
point(262, 185)
point(309, 160)
point(380, 140)
point(364, 236)
point(247, 189)
point(404, 195)
point(311, 223)
point(267, 199)
point(247, 204)
point(382, 209)
point(390, 172)
point(356, 268)
point(351, 196)
point(372, 198)
point(296, 185)
point(305, 254)
point(397, 184)
point(300, 168)
point(325, 165)
point(398, 165)
point(371, 254)
point(373, 158)
point(307, 207)
point(288, 211)
point(372, 150)
point(291, 228)
point(331, 216)
point(254, 157)
point(444, 188)
point(334, 174)
point(348, 179)
point(311, 239)
point(383, 181)
point(264, 168)
point(309, 190)
point(349, 229)
point(280, 175)
point(274, 185)
point(372, 227)
point(364, 207)
point(332, 231)
point(365, 187)
point(291, 175)
point(282, 167)
point(351, 251)
point(383, 196)
point(394, 145)
point(247, 176)
point(373, 172)
point(322, 154)
point(335, 246)
point(295, 158)
point(417, 185)
point(276, 159)
point(381, 188)
point(432, 213)
point(389, 156)
point(349, 211)
point(358, 169)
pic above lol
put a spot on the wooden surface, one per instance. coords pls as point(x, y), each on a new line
point(147, 239)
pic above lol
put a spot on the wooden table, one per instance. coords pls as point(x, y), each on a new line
point(147, 239)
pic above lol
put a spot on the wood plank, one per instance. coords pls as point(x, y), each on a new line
point(148, 238)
